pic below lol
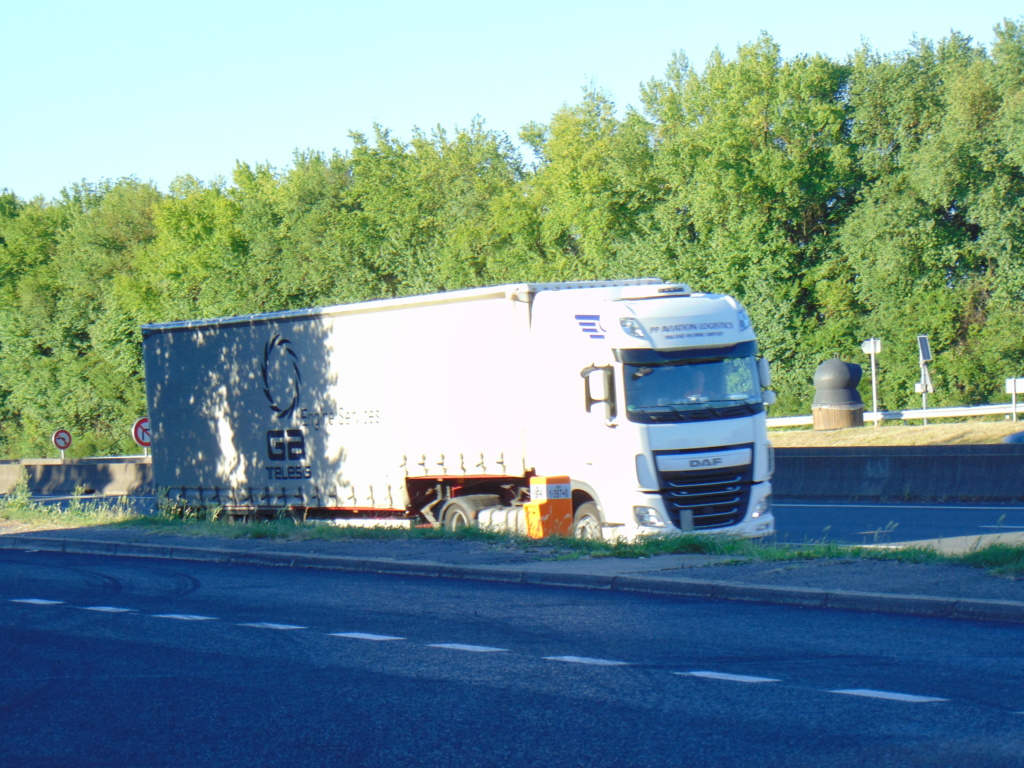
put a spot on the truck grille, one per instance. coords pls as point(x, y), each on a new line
point(714, 498)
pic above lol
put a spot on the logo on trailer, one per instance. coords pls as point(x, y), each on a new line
point(282, 382)
point(281, 376)
point(591, 325)
point(286, 445)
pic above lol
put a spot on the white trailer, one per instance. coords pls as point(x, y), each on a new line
point(641, 403)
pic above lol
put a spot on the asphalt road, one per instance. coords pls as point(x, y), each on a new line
point(109, 661)
point(875, 523)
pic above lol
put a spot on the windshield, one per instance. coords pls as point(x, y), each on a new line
point(692, 389)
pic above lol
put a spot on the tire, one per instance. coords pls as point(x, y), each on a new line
point(458, 515)
point(586, 523)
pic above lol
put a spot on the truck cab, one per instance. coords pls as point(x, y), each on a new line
point(664, 396)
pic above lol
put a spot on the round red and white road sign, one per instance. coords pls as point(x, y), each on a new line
point(140, 432)
point(62, 439)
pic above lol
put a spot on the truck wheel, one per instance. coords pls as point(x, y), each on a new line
point(458, 515)
point(586, 523)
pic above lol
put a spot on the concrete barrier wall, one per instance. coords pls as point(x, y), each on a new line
point(130, 475)
point(948, 472)
point(970, 472)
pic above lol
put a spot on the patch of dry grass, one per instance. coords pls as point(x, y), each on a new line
point(954, 433)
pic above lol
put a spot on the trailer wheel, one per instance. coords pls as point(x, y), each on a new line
point(458, 515)
point(586, 523)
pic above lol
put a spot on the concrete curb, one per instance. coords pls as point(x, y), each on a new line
point(913, 605)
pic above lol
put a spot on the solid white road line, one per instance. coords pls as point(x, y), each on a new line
point(267, 625)
point(888, 695)
point(471, 648)
point(365, 636)
point(183, 617)
point(586, 660)
point(726, 676)
point(37, 601)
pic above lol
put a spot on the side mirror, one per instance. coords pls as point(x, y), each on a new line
point(768, 397)
point(765, 372)
point(599, 387)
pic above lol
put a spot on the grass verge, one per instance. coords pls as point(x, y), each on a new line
point(18, 506)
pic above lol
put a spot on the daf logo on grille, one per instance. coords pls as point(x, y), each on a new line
point(703, 463)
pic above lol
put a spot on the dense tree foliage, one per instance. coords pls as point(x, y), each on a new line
point(878, 196)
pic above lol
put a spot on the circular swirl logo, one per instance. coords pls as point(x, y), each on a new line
point(281, 377)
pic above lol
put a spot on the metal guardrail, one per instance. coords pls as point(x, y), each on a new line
point(961, 412)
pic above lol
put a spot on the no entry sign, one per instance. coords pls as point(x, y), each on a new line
point(140, 432)
point(62, 439)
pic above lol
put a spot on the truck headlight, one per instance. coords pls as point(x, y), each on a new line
point(648, 517)
point(762, 508)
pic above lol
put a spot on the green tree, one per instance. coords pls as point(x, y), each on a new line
point(68, 357)
point(585, 193)
point(936, 238)
point(426, 207)
point(759, 175)
point(192, 267)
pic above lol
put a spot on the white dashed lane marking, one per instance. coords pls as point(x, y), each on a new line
point(706, 674)
point(726, 676)
point(470, 648)
point(365, 636)
point(587, 660)
point(888, 695)
point(108, 609)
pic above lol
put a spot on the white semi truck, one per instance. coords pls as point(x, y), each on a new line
point(638, 405)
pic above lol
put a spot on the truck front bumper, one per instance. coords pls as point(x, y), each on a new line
point(649, 517)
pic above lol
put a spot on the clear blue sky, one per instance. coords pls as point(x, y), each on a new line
point(154, 90)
